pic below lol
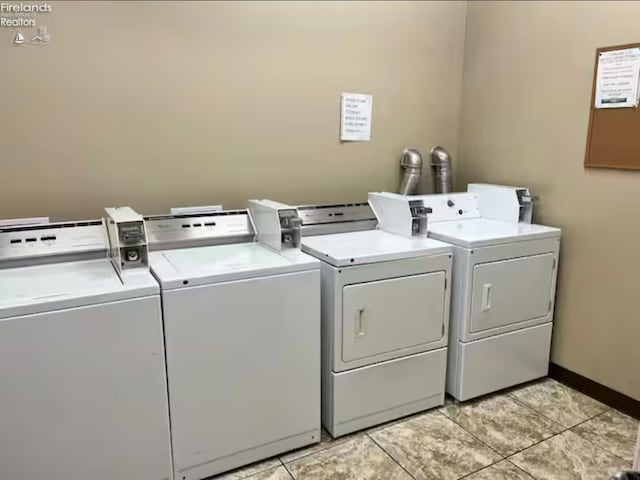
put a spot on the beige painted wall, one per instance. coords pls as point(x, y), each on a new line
point(527, 88)
point(180, 103)
point(177, 103)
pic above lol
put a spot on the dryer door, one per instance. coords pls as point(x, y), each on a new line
point(511, 291)
point(392, 315)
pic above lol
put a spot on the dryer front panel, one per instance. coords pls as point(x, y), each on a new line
point(391, 316)
point(509, 292)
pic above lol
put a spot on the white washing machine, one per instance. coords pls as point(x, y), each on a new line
point(242, 334)
point(385, 317)
point(504, 283)
point(82, 367)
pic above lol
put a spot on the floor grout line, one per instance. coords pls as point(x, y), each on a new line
point(509, 458)
point(533, 445)
point(565, 429)
point(555, 434)
point(537, 412)
point(389, 455)
point(587, 420)
point(287, 469)
point(489, 466)
point(521, 469)
point(502, 457)
point(594, 443)
point(555, 421)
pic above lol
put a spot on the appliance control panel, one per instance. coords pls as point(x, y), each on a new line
point(451, 206)
point(336, 218)
point(198, 229)
point(335, 213)
point(47, 239)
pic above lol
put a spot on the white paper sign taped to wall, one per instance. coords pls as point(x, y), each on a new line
point(355, 117)
point(617, 79)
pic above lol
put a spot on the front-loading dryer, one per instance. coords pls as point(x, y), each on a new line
point(385, 317)
point(504, 283)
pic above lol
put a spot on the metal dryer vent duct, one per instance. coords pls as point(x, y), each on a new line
point(411, 163)
point(441, 170)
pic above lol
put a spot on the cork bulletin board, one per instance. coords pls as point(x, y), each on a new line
point(613, 138)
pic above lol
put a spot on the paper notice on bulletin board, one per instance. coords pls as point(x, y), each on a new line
point(355, 117)
point(617, 78)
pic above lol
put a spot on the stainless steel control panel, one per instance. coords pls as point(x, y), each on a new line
point(84, 238)
point(196, 230)
point(336, 218)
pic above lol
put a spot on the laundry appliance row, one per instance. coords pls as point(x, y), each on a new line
point(156, 348)
point(180, 346)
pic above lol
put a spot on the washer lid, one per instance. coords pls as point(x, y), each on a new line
point(56, 286)
point(480, 232)
point(356, 248)
point(221, 263)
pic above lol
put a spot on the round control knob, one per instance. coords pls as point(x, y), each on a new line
point(450, 203)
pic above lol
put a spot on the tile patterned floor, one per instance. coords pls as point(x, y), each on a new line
point(541, 431)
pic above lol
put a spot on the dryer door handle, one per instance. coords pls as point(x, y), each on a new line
point(486, 297)
point(360, 327)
